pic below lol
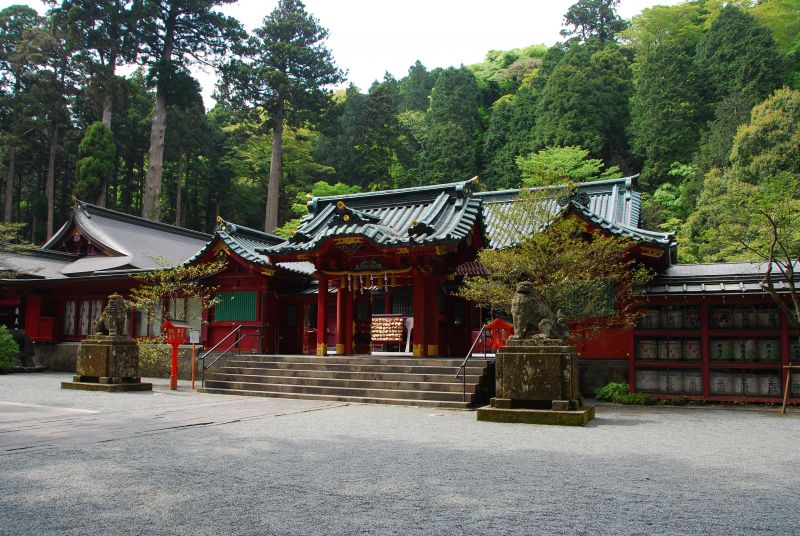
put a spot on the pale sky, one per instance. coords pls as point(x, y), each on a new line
point(370, 37)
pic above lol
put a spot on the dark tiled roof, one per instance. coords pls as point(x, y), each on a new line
point(717, 278)
point(135, 242)
point(245, 242)
point(634, 233)
point(410, 217)
point(36, 263)
point(612, 201)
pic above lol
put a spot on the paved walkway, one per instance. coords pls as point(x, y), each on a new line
point(74, 462)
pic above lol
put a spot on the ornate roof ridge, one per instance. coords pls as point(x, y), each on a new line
point(232, 228)
point(401, 194)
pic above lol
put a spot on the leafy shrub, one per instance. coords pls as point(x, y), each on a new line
point(154, 355)
point(8, 347)
point(619, 393)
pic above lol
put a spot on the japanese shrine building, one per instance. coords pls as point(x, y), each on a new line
point(365, 271)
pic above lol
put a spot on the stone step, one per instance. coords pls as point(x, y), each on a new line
point(378, 375)
point(473, 369)
point(363, 392)
point(354, 383)
point(355, 360)
point(338, 398)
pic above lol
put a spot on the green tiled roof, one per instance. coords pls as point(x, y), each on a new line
point(409, 217)
point(442, 214)
point(612, 200)
point(244, 241)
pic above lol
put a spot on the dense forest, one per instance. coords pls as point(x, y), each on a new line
point(698, 98)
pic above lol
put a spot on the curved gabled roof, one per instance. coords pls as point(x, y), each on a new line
point(409, 217)
point(611, 200)
point(141, 242)
point(245, 242)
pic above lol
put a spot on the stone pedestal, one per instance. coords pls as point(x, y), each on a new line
point(108, 363)
point(537, 383)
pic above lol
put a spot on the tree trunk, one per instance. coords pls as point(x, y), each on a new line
point(8, 201)
point(50, 182)
point(179, 193)
point(151, 204)
point(274, 186)
point(108, 101)
point(127, 188)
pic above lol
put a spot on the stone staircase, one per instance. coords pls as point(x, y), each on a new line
point(429, 382)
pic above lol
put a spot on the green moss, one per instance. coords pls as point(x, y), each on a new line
point(620, 393)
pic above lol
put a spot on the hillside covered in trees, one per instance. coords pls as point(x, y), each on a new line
point(698, 98)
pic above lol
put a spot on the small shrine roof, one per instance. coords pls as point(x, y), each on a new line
point(613, 201)
point(246, 242)
point(408, 217)
point(716, 278)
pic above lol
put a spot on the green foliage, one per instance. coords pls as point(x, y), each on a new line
point(666, 27)
point(96, 164)
point(737, 54)
point(453, 122)
point(559, 165)
point(286, 63)
point(585, 103)
point(161, 288)
point(619, 393)
point(665, 119)
point(155, 355)
point(770, 144)
point(593, 19)
point(415, 89)
point(300, 205)
point(611, 390)
point(509, 135)
point(746, 208)
point(509, 68)
point(8, 348)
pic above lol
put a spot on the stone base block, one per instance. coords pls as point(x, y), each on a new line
point(107, 387)
point(580, 417)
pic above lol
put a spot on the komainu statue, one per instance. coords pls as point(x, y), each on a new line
point(533, 318)
point(114, 318)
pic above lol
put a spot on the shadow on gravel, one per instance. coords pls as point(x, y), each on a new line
point(606, 421)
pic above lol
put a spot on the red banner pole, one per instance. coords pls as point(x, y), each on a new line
point(173, 375)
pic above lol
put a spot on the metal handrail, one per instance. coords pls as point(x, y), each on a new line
point(462, 369)
point(234, 344)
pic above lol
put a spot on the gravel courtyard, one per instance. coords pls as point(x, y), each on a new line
point(74, 462)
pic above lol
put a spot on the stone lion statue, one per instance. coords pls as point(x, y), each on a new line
point(531, 315)
point(114, 318)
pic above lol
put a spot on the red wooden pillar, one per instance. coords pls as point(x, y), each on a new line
point(344, 322)
point(322, 316)
point(420, 315)
point(432, 316)
point(33, 310)
point(269, 319)
point(349, 323)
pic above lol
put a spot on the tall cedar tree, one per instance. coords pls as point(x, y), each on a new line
point(665, 114)
point(15, 71)
point(584, 103)
point(52, 87)
point(453, 123)
point(285, 71)
point(737, 54)
point(176, 33)
point(593, 19)
point(105, 32)
point(96, 164)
